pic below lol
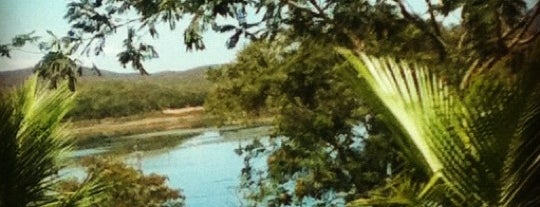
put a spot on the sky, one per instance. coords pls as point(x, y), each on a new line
point(24, 16)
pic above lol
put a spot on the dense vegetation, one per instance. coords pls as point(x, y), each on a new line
point(101, 97)
point(476, 146)
point(316, 155)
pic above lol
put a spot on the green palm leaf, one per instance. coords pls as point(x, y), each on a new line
point(481, 143)
point(33, 141)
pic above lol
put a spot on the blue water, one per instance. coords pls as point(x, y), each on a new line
point(205, 167)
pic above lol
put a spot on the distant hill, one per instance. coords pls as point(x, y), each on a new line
point(124, 94)
point(16, 77)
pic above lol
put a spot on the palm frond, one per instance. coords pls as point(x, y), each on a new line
point(33, 141)
point(8, 152)
point(521, 170)
point(481, 143)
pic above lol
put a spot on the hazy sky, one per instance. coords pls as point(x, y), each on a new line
point(23, 16)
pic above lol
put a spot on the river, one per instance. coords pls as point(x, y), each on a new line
point(205, 166)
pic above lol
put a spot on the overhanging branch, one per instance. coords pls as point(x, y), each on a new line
point(321, 14)
point(434, 24)
point(527, 20)
point(431, 32)
point(525, 29)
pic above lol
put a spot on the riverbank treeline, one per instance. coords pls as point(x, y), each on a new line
point(102, 97)
point(118, 95)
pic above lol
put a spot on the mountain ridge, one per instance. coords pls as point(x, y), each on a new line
point(16, 77)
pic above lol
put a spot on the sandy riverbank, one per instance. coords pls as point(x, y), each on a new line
point(164, 124)
point(186, 118)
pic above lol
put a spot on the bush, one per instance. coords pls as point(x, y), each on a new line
point(126, 186)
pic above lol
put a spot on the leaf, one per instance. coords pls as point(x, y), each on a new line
point(233, 40)
point(467, 140)
point(33, 142)
point(96, 70)
point(226, 28)
point(52, 34)
point(21, 40)
point(4, 51)
point(55, 66)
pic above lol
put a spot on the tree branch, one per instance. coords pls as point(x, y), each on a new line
point(439, 43)
point(328, 4)
point(320, 13)
point(530, 39)
point(318, 8)
point(499, 27)
point(526, 20)
point(517, 39)
point(316, 14)
point(127, 22)
point(434, 24)
point(461, 40)
point(525, 24)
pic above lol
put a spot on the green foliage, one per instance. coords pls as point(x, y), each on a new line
point(316, 108)
point(55, 67)
point(126, 186)
point(502, 14)
point(32, 144)
point(101, 97)
point(136, 55)
point(314, 153)
point(57, 64)
point(479, 146)
point(487, 32)
point(17, 42)
point(241, 90)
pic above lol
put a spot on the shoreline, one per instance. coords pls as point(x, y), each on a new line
point(150, 130)
point(165, 140)
point(192, 117)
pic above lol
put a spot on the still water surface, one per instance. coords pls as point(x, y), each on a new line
point(205, 167)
